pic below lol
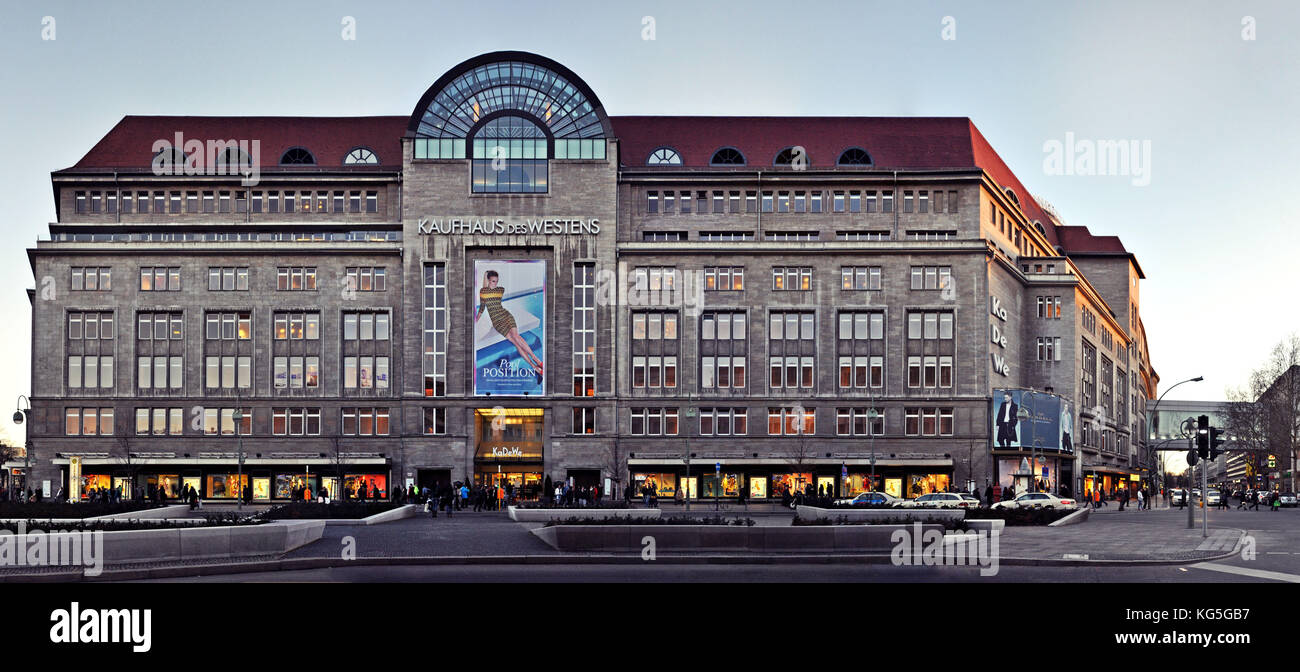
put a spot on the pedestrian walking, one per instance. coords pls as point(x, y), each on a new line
point(1142, 498)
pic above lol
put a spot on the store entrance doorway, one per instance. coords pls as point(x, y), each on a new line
point(585, 478)
point(432, 478)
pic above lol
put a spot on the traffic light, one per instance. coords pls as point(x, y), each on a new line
point(1216, 440)
point(1203, 436)
point(1191, 458)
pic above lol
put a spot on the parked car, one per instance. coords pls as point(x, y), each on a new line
point(870, 499)
point(1037, 500)
point(1289, 499)
point(939, 500)
point(971, 500)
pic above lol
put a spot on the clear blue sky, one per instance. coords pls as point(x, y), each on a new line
point(1212, 230)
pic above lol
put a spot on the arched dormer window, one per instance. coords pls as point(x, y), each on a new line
point(787, 156)
point(1011, 194)
point(727, 156)
point(664, 156)
point(297, 156)
point(854, 156)
point(360, 156)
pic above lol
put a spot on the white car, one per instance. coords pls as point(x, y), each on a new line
point(870, 499)
point(1037, 500)
point(939, 500)
point(1212, 497)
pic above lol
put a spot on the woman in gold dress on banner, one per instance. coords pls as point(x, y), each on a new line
point(489, 299)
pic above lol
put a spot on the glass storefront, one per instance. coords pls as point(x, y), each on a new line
point(664, 485)
point(291, 486)
point(527, 482)
point(773, 483)
point(729, 487)
point(96, 481)
point(261, 488)
point(224, 485)
point(376, 485)
point(192, 482)
point(170, 484)
point(508, 449)
point(924, 484)
point(789, 484)
point(860, 483)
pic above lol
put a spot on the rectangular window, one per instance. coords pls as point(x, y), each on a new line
point(584, 330)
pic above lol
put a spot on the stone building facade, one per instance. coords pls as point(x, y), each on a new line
point(713, 307)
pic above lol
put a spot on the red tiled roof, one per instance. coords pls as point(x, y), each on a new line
point(1079, 240)
point(129, 145)
point(893, 142)
point(902, 143)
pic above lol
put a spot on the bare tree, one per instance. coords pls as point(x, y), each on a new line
point(1264, 415)
point(615, 465)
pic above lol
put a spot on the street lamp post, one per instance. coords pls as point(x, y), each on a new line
point(1152, 415)
point(20, 416)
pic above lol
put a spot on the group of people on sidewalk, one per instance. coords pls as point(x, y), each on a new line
point(1098, 498)
point(458, 496)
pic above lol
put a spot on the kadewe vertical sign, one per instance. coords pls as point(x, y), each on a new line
point(509, 327)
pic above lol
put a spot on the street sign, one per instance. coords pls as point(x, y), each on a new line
point(717, 467)
point(844, 471)
point(1044, 473)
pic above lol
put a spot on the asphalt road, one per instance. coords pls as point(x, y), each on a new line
point(794, 573)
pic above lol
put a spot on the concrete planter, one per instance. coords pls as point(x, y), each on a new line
point(1075, 518)
point(985, 525)
point(209, 542)
point(407, 511)
point(720, 538)
point(544, 515)
point(869, 515)
point(161, 513)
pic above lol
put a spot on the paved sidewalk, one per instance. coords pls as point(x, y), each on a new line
point(1157, 536)
point(1129, 535)
point(466, 533)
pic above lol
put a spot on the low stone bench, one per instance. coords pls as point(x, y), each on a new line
point(202, 543)
point(725, 538)
point(544, 515)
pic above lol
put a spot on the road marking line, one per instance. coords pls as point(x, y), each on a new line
point(1255, 573)
point(1278, 553)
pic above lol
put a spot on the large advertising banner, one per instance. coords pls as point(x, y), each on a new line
point(1050, 425)
point(509, 327)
